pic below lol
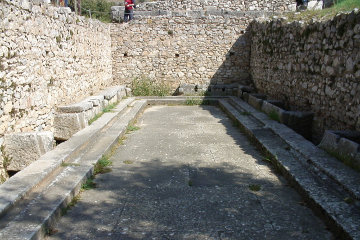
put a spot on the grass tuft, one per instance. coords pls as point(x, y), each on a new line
point(273, 115)
point(132, 128)
point(245, 113)
point(89, 184)
point(128, 162)
point(144, 86)
point(64, 164)
point(190, 183)
point(102, 166)
point(255, 187)
point(70, 205)
point(196, 101)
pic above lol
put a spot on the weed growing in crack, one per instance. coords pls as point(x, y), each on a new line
point(245, 113)
point(102, 166)
point(64, 164)
point(132, 128)
point(128, 162)
point(255, 187)
point(89, 184)
point(273, 115)
point(70, 205)
point(190, 183)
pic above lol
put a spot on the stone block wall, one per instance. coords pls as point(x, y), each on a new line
point(314, 67)
point(182, 50)
point(229, 5)
point(48, 57)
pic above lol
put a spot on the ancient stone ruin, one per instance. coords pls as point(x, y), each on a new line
point(59, 71)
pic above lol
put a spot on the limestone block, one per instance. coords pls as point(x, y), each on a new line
point(76, 108)
point(110, 92)
point(90, 114)
point(21, 149)
point(292, 7)
point(255, 102)
point(128, 92)
point(96, 100)
point(67, 124)
point(348, 147)
point(269, 109)
point(121, 93)
point(329, 141)
point(315, 5)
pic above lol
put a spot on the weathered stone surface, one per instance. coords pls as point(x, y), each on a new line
point(329, 141)
point(21, 149)
point(183, 50)
point(3, 174)
point(315, 5)
point(67, 124)
point(77, 107)
point(97, 100)
point(49, 57)
point(310, 66)
point(348, 147)
point(339, 142)
point(255, 102)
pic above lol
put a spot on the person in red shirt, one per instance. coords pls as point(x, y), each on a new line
point(129, 10)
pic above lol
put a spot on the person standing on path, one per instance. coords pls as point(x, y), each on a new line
point(129, 10)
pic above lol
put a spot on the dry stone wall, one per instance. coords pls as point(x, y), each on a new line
point(48, 57)
point(313, 67)
point(194, 42)
point(227, 5)
point(182, 50)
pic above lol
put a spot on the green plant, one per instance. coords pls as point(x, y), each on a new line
point(89, 184)
point(64, 164)
point(245, 113)
point(267, 159)
point(99, 9)
point(102, 166)
point(131, 128)
point(106, 109)
point(97, 116)
point(196, 101)
point(109, 107)
point(255, 187)
point(143, 86)
point(349, 200)
point(128, 162)
point(273, 115)
point(170, 32)
point(190, 183)
point(70, 205)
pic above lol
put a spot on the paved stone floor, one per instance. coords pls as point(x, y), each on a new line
point(185, 174)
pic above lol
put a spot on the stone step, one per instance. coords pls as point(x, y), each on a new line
point(336, 170)
point(19, 186)
point(326, 195)
point(31, 220)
